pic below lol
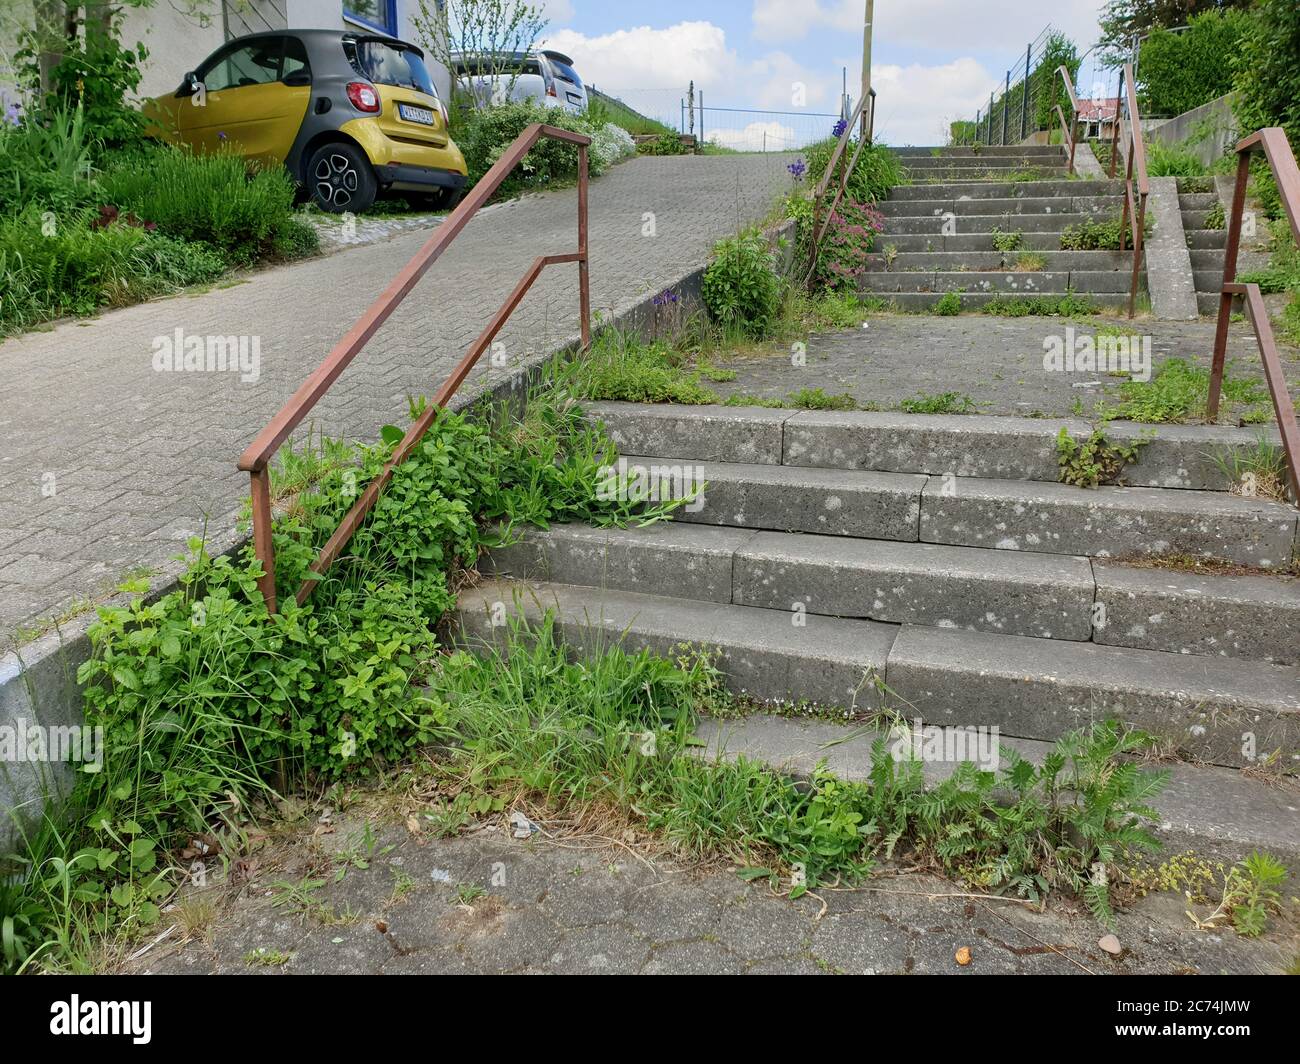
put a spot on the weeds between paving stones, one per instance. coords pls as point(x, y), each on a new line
point(1095, 461)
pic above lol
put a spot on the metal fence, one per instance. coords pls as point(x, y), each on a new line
point(1016, 108)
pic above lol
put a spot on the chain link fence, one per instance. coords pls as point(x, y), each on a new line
point(1026, 102)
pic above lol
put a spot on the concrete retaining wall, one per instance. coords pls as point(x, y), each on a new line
point(1208, 131)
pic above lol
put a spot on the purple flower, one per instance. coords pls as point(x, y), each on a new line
point(665, 298)
point(798, 168)
point(840, 127)
point(12, 114)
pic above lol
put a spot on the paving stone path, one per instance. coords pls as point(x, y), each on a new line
point(107, 465)
point(488, 903)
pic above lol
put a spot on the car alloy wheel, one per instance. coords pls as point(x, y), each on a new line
point(336, 179)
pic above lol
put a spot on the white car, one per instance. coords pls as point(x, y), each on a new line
point(547, 77)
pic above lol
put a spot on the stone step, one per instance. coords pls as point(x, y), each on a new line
point(938, 206)
point(1009, 161)
point(1196, 219)
point(1025, 282)
point(1107, 522)
point(1024, 172)
point(1198, 239)
point(1197, 201)
point(976, 589)
point(1208, 259)
point(964, 242)
point(1213, 709)
point(1004, 190)
point(950, 261)
point(937, 225)
point(961, 445)
point(1208, 280)
point(1036, 151)
point(1222, 814)
point(924, 302)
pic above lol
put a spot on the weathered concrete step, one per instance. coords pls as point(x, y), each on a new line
point(923, 302)
point(1196, 219)
point(1208, 259)
point(792, 499)
point(1008, 592)
point(1028, 171)
point(947, 261)
point(1205, 238)
point(1208, 303)
point(1208, 280)
point(1251, 617)
point(936, 225)
point(1220, 813)
point(1214, 709)
point(1197, 201)
point(1015, 162)
point(1218, 710)
point(1107, 522)
point(982, 190)
point(1024, 282)
point(1039, 151)
point(915, 208)
point(960, 445)
point(830, 576)
point(972, 445)
point(762, 655)
point(965, 242)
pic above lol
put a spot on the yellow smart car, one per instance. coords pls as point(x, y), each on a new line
point(349, 114)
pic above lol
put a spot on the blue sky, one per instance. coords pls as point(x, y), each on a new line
point(933, 60)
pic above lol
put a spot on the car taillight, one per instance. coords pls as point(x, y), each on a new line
point(363, 97)
point(550, 91)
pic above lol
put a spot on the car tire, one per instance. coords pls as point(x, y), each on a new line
point(340, 178)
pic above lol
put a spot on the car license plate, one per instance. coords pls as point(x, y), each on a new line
point(573, 97)
point(415, 114)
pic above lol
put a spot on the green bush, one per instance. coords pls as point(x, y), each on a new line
point(877, 172)
point(47, 160)
point(244, 212)
point(741, 288)
point(484, 135)
point(1179, 71)
point(1266, 73)
point(669, 143)
point(850, 237)
point(947, 305)
point(1049, 89)
point(56, 265)
point(1171, 160)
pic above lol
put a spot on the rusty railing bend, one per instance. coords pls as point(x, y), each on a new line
point(256, 459)
point(820, 225)
point(1273, 143)
point(1137, 186)
point(1069, 130)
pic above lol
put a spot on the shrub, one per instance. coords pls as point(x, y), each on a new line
point(243, 211)
point(948, 304)
point(878, 169)
point(850, 237)
point(1265, 72)
point(1049, 89)
point(669, 143)
point(53, 266)
point(46, 160)
point(484, 135)
point(741, 288)
point(1179, 71)
point(1171, 160)
point(610, 143)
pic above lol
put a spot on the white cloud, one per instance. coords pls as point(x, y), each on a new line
point(757, 136)
point(557, 11)
point(933, 24)
point(915, 103)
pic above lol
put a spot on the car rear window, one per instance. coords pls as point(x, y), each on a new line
point(564, 72)
point(389, 64)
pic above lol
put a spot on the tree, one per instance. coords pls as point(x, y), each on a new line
point(1267, 73)
point(1179, 71)
point(496, 32)
point(1124, 20)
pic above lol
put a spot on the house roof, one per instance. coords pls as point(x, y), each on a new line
point(1093, 110)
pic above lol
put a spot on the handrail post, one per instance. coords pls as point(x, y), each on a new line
point(1139, 235)
point(584, 273)
point(263, 541)
point(1230, 250)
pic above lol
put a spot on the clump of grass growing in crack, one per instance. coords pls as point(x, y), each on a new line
point(1179, 392)
point(618, 728)
point(1029, 262)
point(1257, 473)
point(1003, 241)
point(947, 305)
point(943, 403)
point(1069, 305)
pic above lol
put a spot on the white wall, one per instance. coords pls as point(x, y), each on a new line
point(176, 42)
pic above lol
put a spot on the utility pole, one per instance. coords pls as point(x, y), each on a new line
point(866, 64)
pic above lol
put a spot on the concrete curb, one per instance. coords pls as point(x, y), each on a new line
point(1170, 279)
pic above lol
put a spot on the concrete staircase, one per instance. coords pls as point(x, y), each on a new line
point(1201, 204)
point(944, 230)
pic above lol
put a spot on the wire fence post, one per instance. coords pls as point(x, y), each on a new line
point(989, 139)
point(1024, 95)
point(1006, 100)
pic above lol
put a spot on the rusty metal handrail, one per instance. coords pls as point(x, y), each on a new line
point(1070, 130)
point(1281, 159)
point(256, 459)
point(819, 226)
point(1137, 185)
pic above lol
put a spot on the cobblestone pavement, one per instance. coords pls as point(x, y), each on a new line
point(998, 362)
point(107, 465)
point(487, 903)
